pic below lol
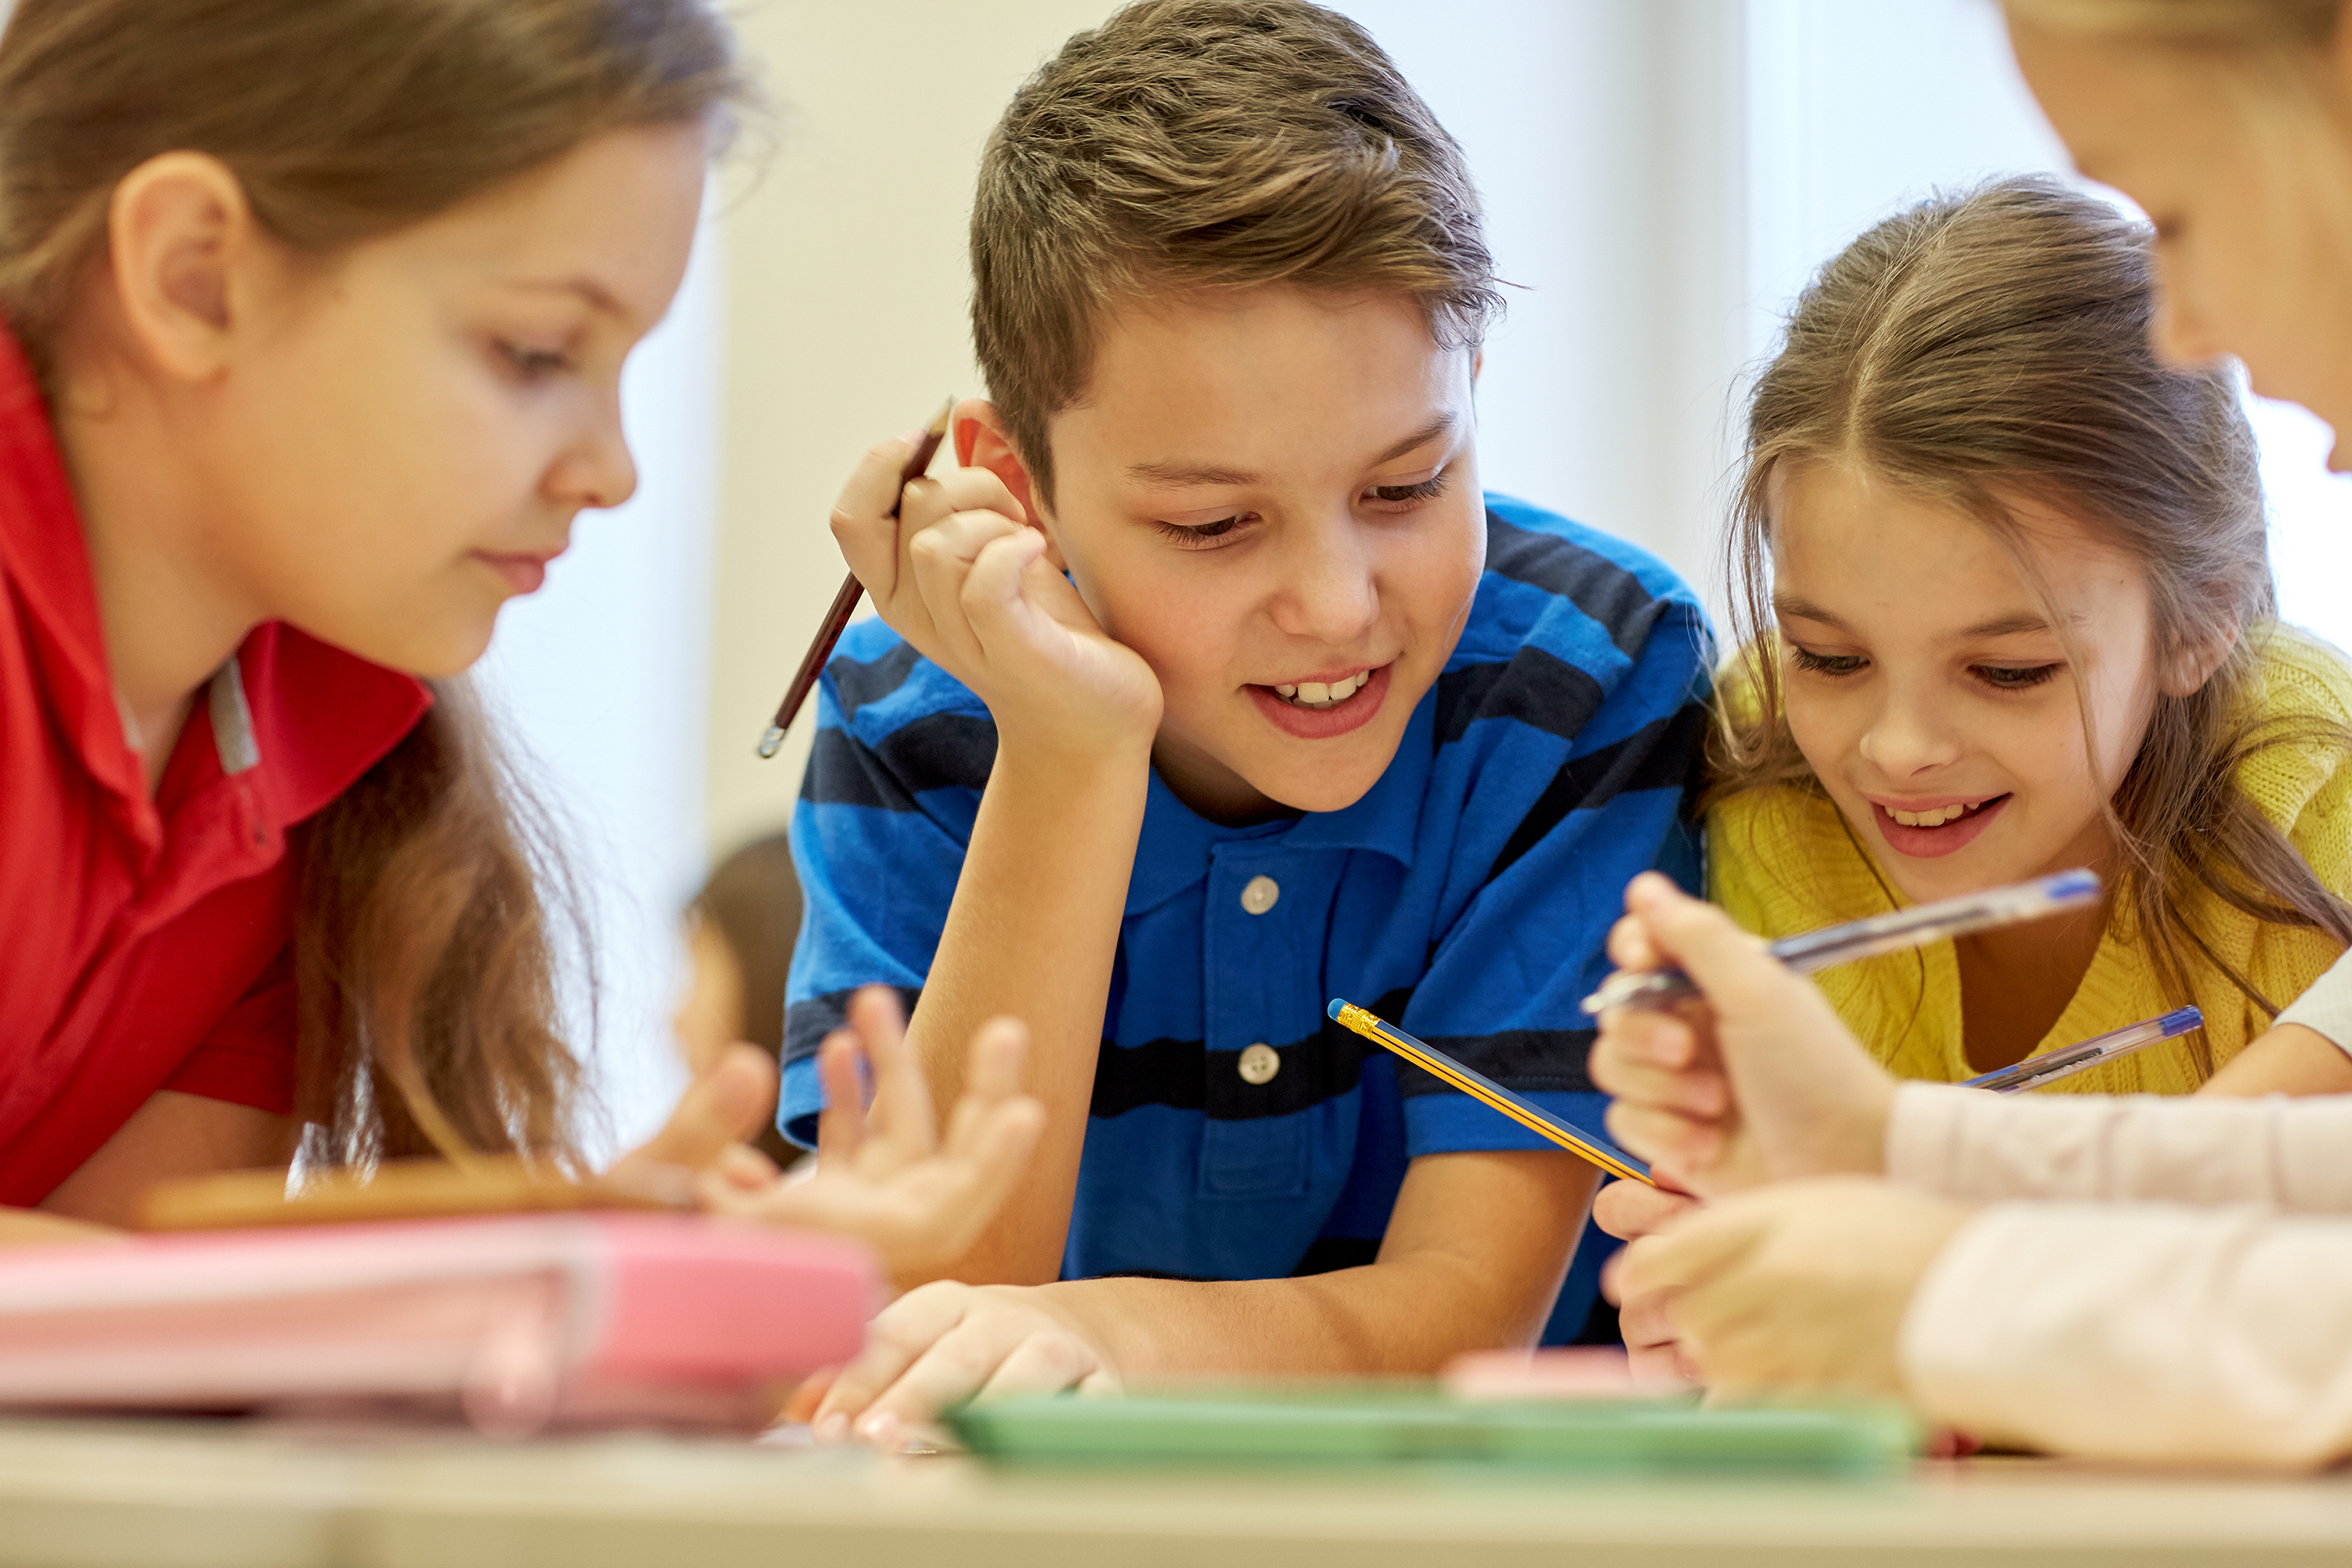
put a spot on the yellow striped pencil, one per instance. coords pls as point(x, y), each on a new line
point(1588, 1146)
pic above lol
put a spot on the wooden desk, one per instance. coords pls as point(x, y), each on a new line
point(191, 1494)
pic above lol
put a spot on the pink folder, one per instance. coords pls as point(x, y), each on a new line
point(518, 1323)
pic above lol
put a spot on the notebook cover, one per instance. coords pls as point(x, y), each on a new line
point(518, 1323)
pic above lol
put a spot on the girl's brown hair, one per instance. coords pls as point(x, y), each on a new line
point(1991, 347)
point(424, 959)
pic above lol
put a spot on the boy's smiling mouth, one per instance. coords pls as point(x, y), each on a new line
point(1323, 694)
point(1320, 708)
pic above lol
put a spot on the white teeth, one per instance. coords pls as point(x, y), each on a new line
point(1325, 694)
point(1936, 818)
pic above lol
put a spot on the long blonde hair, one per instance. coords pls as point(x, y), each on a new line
point(1991, 346)
point(425, 957)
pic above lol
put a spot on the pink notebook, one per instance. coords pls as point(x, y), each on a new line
point(517, 1323)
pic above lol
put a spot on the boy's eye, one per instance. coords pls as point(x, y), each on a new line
point(2014, 678)
point(1404, 497)
point(1826, 663)
point(535, 364)
point(1195, 536)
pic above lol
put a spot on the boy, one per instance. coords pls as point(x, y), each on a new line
point(1306, 717)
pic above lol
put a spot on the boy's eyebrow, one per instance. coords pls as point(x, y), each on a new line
point(1181, 474)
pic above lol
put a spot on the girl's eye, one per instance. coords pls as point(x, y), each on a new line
point(1825, 663)
point(2014, 678)
point(1199, 536)
point(1404, 498)
point(535, 364)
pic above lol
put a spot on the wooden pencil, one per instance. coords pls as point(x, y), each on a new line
point(844, 603)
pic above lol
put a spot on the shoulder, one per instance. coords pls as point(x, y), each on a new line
point(2302, 675)
point(1546, 574)
point(894, 725)
point(2300, 702)
point(1568, 621)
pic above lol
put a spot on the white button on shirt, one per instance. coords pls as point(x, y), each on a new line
point(1261, 1062)
point(1257, 898)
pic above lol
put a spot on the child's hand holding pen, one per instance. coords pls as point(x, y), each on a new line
point(958, 567)
point(1760, 1082)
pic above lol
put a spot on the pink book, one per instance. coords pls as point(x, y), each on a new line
point(517, 1323)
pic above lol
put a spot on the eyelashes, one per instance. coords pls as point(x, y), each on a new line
point(1388, 499)
point(1998, 677)
point(1826, 664)
point(534, 364)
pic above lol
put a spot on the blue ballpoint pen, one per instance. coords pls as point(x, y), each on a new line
point(1866, 938)
point(2084, 1055)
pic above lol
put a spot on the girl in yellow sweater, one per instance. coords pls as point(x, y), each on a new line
point(2006, 608)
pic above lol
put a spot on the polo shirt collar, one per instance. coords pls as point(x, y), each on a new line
point(1177, 842)
point(304, 718)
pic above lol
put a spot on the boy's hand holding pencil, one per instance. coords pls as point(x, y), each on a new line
point(957, 567)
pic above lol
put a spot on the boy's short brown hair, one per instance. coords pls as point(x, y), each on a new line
point(1205, 144)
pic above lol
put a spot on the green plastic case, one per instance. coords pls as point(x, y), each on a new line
point(1349, 1425)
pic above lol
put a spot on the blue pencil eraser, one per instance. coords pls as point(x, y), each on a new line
point(1333, 1010)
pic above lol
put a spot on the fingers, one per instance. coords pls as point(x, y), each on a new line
point(743, 1169)
point(841, 1125)
point(998, 1354)
point(1630, 1210)
point(1657, 1058)
point(1677, 1147)
point(1044, 1363)
point(727, 1105)
point(1691, 1252)
point(940, 1345)
point(904, 1329)
point(904, 1129)
point(989, 1159)
point(1706, 943)
point(1000, 1049)
point(1630, 946)
point(943, 559)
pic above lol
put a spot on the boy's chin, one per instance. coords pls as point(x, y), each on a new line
point(1320, 784)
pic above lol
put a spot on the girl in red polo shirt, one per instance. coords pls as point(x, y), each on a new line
point(316, 318)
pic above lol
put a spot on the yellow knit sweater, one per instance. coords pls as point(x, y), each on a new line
point(1781, 861)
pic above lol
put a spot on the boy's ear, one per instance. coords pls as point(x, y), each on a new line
point(2193, 664)
point(982, 441)
point(181, 238)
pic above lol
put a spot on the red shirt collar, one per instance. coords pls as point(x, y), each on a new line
point(307, 716)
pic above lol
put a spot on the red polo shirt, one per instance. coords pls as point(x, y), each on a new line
point(145, 942)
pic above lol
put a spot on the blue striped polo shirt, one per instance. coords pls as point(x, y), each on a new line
point(1466, 897)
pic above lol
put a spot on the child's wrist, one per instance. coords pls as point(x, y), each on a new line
point(1075, 750)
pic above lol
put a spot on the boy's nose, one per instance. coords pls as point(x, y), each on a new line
point(1329, 596)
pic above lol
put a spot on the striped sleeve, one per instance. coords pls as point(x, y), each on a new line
point(901, 754)
point(1581, 749)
